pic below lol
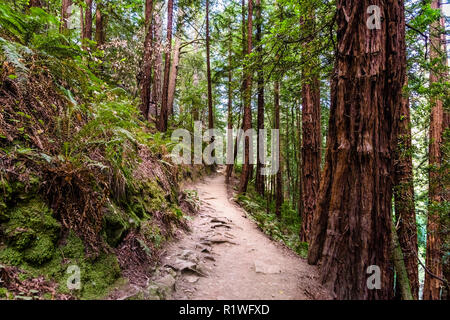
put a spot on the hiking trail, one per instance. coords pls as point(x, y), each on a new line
point(225, 256)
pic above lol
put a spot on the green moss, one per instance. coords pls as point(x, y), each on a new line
point(99, 276)
point(40, 252)
point(11, 256)
point(116, 225)
point(31, 234)
point(43, 257)
point(73, 248)
point(3, 293)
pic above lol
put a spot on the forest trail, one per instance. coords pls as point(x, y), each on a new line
point(225, 256)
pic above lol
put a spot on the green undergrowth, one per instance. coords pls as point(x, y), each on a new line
point(286, 229)
point(80, 169)
point(31, 241)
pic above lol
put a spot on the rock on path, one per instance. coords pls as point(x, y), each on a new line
point(225, 256)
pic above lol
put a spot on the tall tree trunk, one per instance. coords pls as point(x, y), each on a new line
point(352, 225)
point(438, 192)
point(403, 284)
point(260, 164)
point(173, 74)
point(175, 62)
point(311, 152)
point(164, 115)
point(155, 105)
point(82, 24)
point(99, 26)
point(244, 52)
point(66, 9)
point(145, 77)
point(208, 73)
point(230, 106)
point(279, 180)
point(312, 140)
point(87, 25)
point(405, 212)
point(299, 166)
point(247, 103)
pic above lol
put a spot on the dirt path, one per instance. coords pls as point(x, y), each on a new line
point(225, 256)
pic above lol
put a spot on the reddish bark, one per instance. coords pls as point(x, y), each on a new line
point(65, 14)
point(99, 26)
point(311, 152)
point(260, 164)
point(155, 104)
point(208, 72)
point(279, 180)
point(175, 62)
point(87, 34)
point(352, 224)
point(405, 212)
point(247, 124)
point(438, 190)
point(145, 77)
point(164, 115)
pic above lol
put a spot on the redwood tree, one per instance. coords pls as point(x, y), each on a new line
point(259, 164)
point(438, 190)
point(164, 115)
point(311, 133)
point(157, 65)
point(99, 25)
point(247, 124)
point(175, 62)
point(405, 213)
point(145, 77)
point(230, 107)
point(65, 14)
point(87, 24)
point(208, 73)
point(279, 176)
point(352, 224)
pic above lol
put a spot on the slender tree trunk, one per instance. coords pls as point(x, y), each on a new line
point(82, 31)
point(175, 62)
point(145, 77)
point(155, 105)
point(311, 153)
point(173, 74)
point(438, 191)
point(405, 212)
point(352, 225)
point(244, 52)
point(279, 180)
point(230, 105)
point(195, 81)
point(246, 168)
point(208, 73)
point(312, 140)
point(299, 166)
point(403, 283)
point(66, 10)
point(164, 104)
point(87, 31)
point(99, 26)
point(260, 164)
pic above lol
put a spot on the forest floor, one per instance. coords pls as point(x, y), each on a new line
point(225, 256)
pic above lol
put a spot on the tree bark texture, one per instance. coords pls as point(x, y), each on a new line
point(352, 224)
